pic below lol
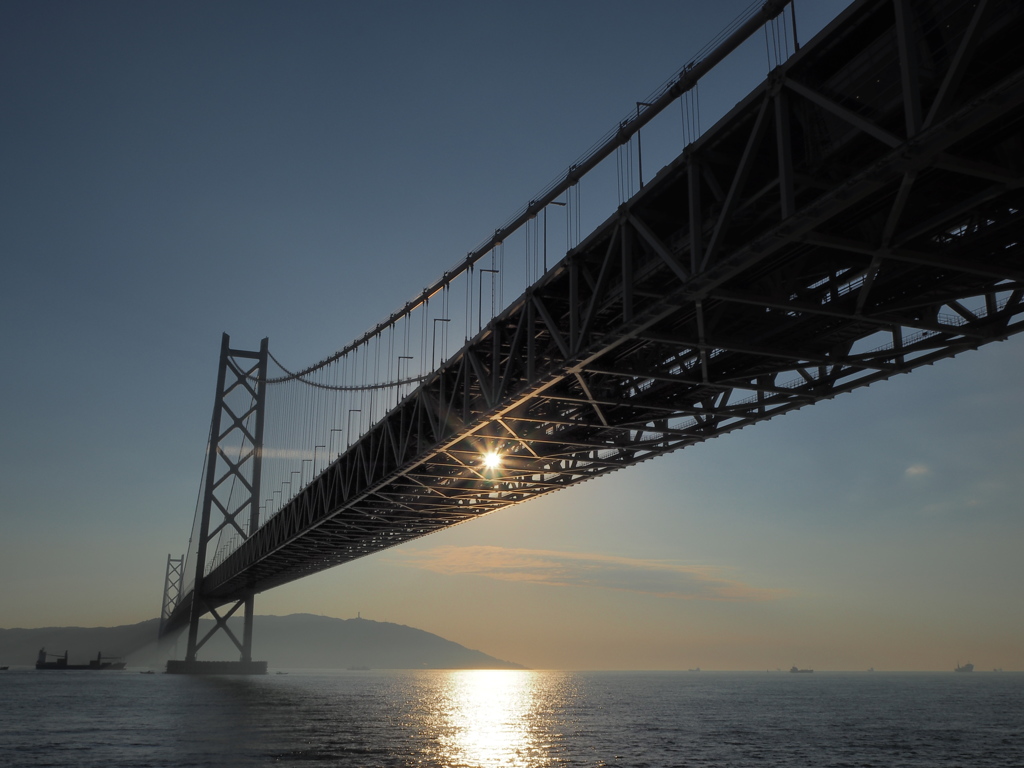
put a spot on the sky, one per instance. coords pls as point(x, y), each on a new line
point(172, 171)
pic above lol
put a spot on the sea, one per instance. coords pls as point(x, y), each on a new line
point(471, 718)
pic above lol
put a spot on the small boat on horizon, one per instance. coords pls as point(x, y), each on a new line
point(798, 671)
point(965, 668)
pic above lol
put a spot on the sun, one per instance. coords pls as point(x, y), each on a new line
point(492, 460)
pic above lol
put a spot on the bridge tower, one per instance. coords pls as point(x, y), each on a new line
point(231, 487)
point(173, 579)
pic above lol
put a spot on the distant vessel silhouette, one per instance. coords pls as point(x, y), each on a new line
point(964, 668)
point(61, 662)
point(799, 671)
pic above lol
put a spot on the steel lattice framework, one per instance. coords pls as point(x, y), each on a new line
point(859, 215)
point(174, 576)
point(230, 498)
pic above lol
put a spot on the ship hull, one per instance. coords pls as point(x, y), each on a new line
point(92, 667)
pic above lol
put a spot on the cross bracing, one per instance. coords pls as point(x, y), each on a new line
point(857, 216)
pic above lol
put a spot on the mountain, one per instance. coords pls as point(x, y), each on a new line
point(306, 640)
point(299, 640)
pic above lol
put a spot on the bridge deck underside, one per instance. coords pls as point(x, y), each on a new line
point(860, 214)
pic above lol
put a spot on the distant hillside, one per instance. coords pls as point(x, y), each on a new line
point(299, 640)
point(20, 646)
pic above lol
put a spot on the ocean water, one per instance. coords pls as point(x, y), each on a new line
point(512, 719)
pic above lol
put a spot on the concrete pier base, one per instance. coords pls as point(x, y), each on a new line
point(178, 667)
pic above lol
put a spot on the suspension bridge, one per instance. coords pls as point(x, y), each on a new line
point(858, 215)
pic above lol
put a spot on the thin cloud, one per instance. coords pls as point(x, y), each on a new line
point(572, 569)
point(917, 470)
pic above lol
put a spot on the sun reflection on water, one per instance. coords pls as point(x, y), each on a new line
point(490, 717)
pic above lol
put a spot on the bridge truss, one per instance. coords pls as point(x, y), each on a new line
point(857, 216)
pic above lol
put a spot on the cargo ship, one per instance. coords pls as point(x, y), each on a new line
point(964, 668)
point(61, 662)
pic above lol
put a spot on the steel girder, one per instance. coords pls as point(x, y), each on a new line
point(858, 215)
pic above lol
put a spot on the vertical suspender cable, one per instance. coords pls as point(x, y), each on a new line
point(792, 15)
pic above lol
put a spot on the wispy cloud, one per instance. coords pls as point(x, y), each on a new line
point(917, 470)
point(572, 569)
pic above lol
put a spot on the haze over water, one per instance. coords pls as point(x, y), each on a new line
point(512, 718)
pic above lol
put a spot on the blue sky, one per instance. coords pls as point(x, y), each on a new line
point(298, 171)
